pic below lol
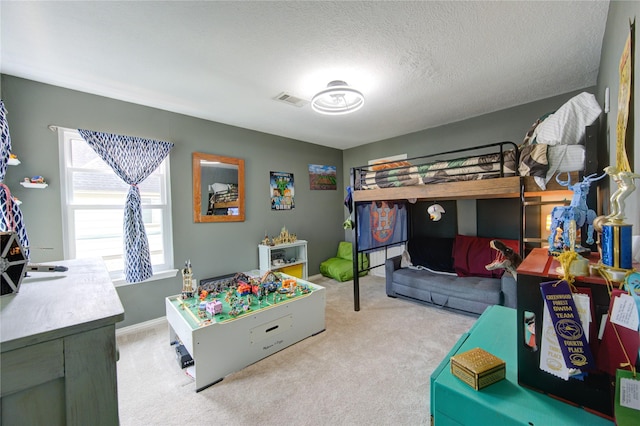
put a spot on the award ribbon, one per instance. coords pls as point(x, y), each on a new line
point(567, 325)
point(632, 285)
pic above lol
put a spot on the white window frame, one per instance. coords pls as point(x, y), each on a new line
point(160, 270)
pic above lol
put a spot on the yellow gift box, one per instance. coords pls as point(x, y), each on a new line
point(478, 368)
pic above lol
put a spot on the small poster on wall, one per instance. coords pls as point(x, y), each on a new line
point(322, 177)
point(281, 190)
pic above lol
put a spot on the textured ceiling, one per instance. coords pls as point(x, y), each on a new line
point(419, 64)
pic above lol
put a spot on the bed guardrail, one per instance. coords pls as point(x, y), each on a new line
point(404, 169)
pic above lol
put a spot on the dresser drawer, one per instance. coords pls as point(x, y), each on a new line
point(31, 366)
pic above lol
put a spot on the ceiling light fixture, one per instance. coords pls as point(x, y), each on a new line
point(338, 98)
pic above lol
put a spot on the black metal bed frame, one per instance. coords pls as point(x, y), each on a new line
point(591, 166)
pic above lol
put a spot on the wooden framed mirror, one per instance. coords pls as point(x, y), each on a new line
point(218, 188)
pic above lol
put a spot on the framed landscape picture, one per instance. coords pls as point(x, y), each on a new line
point(322, 177)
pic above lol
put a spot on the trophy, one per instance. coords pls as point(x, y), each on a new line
point(616, 234)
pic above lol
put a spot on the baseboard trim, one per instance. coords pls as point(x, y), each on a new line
point(134, 328)
point(314, 277)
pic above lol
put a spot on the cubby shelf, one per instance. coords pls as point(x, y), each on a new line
point(287, 253)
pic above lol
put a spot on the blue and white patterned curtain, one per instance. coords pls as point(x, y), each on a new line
point(133, 159)
point(11, 216)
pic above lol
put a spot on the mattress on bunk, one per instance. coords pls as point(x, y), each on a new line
point(561, 159)
point(479, 167)
point(226, 196)
point(223, 192)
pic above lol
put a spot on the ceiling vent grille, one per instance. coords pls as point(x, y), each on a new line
point(291, 100)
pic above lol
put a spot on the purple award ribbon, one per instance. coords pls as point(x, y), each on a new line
point(568, 327)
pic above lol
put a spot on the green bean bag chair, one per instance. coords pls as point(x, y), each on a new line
point(340, 268)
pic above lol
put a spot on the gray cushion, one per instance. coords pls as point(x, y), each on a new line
point(484, 290)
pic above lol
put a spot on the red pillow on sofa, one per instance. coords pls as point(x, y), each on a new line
point(472, 254)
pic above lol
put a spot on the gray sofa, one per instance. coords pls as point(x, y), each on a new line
point(470, 294)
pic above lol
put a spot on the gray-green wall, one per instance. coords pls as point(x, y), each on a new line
point(214, 248)
point(616, 33)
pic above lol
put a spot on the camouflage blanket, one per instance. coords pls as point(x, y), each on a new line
point(459, 169)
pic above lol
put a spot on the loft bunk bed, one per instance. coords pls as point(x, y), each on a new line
point(496, 170)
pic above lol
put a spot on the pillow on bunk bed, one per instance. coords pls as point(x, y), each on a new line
point(533, 160)
point(561, 158)
point(533, 156)
point(382, 165)
point(565, 158)
point(560, 135)
point(471, 254)
point(567, 125)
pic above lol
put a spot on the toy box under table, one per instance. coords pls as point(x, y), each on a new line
point(220, 344)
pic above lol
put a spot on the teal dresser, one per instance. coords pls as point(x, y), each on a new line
point(503, 403)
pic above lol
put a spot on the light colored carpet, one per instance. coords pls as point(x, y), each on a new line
point(370, 367)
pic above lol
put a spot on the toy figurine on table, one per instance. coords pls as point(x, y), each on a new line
point(577, 211)
point(188, 287)
point(227, 298)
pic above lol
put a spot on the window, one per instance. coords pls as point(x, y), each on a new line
point(93, 199)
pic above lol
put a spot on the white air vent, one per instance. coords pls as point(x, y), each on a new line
point(291, 100)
